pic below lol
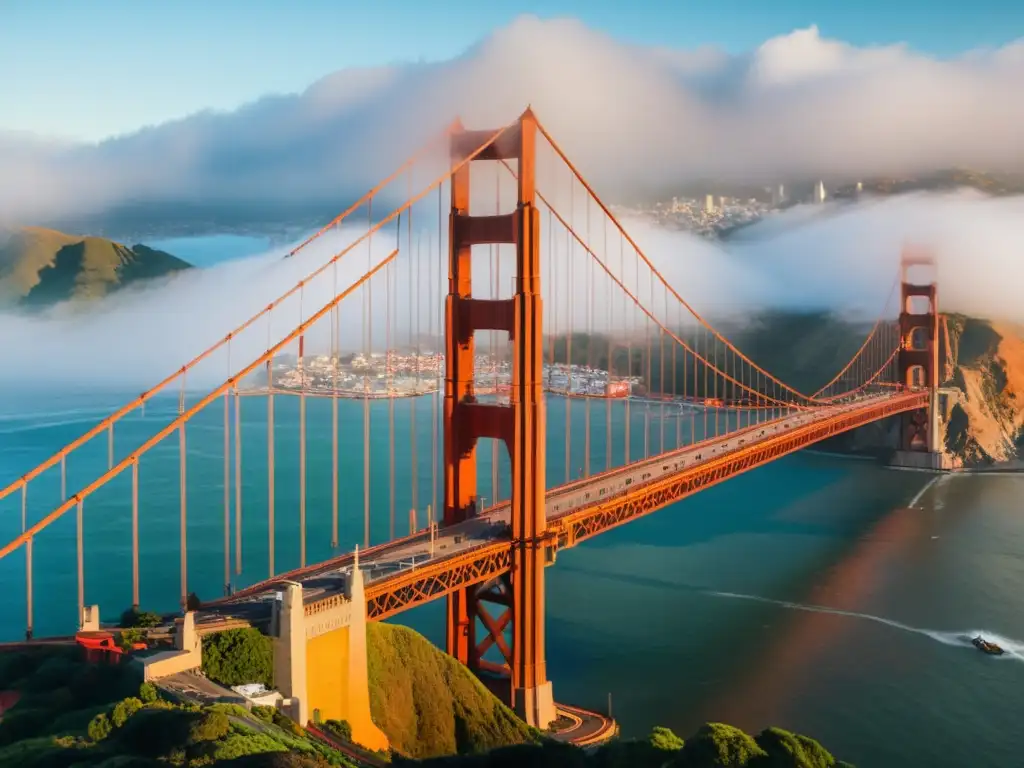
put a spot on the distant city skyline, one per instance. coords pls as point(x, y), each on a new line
point(102, 70)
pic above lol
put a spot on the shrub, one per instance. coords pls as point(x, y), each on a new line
point(133, 617)
point(790, 750)
point(288, 725)
point(239, 656)
point(340, 728)
point(156, 732)
point(210, 726)
point(147, 693)
point(123, 710)
point(721, 746)
point(264, 713)
point(665, 740)
point(99, 728)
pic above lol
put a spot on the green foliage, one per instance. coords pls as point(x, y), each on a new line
point(664, 740)
point(716, 745)
point(239, 656)
point(340, 728)
point(123, 710)
point(790, 750)
point(427, 703)
point(99, 727)
point(148, 693)
point(264, 713)
point(209, 726)
point(236, 710)
point(287, 725)
point(129, 637)
point(133, 617)
point(655, 751)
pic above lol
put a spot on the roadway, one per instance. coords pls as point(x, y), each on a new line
point(404, 557)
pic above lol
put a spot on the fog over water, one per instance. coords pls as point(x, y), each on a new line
point(842, 257)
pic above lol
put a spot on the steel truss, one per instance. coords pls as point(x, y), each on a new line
point(419, 585)
point(583, 524)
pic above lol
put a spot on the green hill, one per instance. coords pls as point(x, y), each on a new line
point(39, 266)
point(428, 704)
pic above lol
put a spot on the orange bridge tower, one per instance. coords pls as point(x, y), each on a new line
point(520, 677)
point(918, 359)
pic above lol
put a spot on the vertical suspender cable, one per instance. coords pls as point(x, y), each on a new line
point(227, 482)
point(135, 534)
point(270, 457)
point(302, 437)
point(238, 480)
point(183, 491)
point(81, 563)
point(335, 356)
point(368, 315)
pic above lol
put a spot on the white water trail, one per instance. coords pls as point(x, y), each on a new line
point(917, 498)
point(1014, 648)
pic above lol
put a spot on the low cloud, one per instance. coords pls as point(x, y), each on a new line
point(837, 257)
point(631, 117)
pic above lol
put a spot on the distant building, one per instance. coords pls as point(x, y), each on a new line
point(860, 187)
point(779, 195)
point(709, 204)
point(819, 192)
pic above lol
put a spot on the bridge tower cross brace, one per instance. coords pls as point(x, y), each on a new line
point(521, 680)
point(918, 357)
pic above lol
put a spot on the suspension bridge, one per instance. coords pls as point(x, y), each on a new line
point(493, 356)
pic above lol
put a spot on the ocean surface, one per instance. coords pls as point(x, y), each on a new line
point(822, 594)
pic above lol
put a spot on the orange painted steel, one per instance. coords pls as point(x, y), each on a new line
point(580, 525)
point(771, 402)
point(184, 417)
point(415, 586)
point(700, 319)
point(519, 425)
point(138, 402)
point(874, 330)
point(485, 562)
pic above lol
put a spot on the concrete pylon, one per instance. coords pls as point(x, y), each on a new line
point(364, 730)
point(290, 652)
point(90, 619)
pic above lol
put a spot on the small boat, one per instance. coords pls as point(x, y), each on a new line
point(986, 647)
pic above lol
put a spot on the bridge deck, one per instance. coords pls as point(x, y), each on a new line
point(416, 569)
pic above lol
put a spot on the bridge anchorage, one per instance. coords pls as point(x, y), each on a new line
point(684, 409)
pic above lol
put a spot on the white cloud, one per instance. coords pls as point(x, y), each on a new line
point(842, 258)
point(797, 104)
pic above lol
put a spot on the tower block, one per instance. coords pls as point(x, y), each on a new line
point(521, 678)
point(918, 357)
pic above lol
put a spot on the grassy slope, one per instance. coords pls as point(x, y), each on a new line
point(43, 266)
point(61, 696)
point(428, 704)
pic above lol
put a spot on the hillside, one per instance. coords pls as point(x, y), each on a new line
point(39, 266)
point(428, 704)
point(987, 423)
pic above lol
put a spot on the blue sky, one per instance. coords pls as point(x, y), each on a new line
point(89, 70)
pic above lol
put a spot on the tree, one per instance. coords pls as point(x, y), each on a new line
point(124, 709)
point(99, 728)
point(717, 745)
point(147, 693)
point(239, 656)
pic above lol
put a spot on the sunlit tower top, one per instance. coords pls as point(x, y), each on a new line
point(709, 204)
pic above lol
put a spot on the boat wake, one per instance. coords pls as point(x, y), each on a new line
point(1014, 648)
